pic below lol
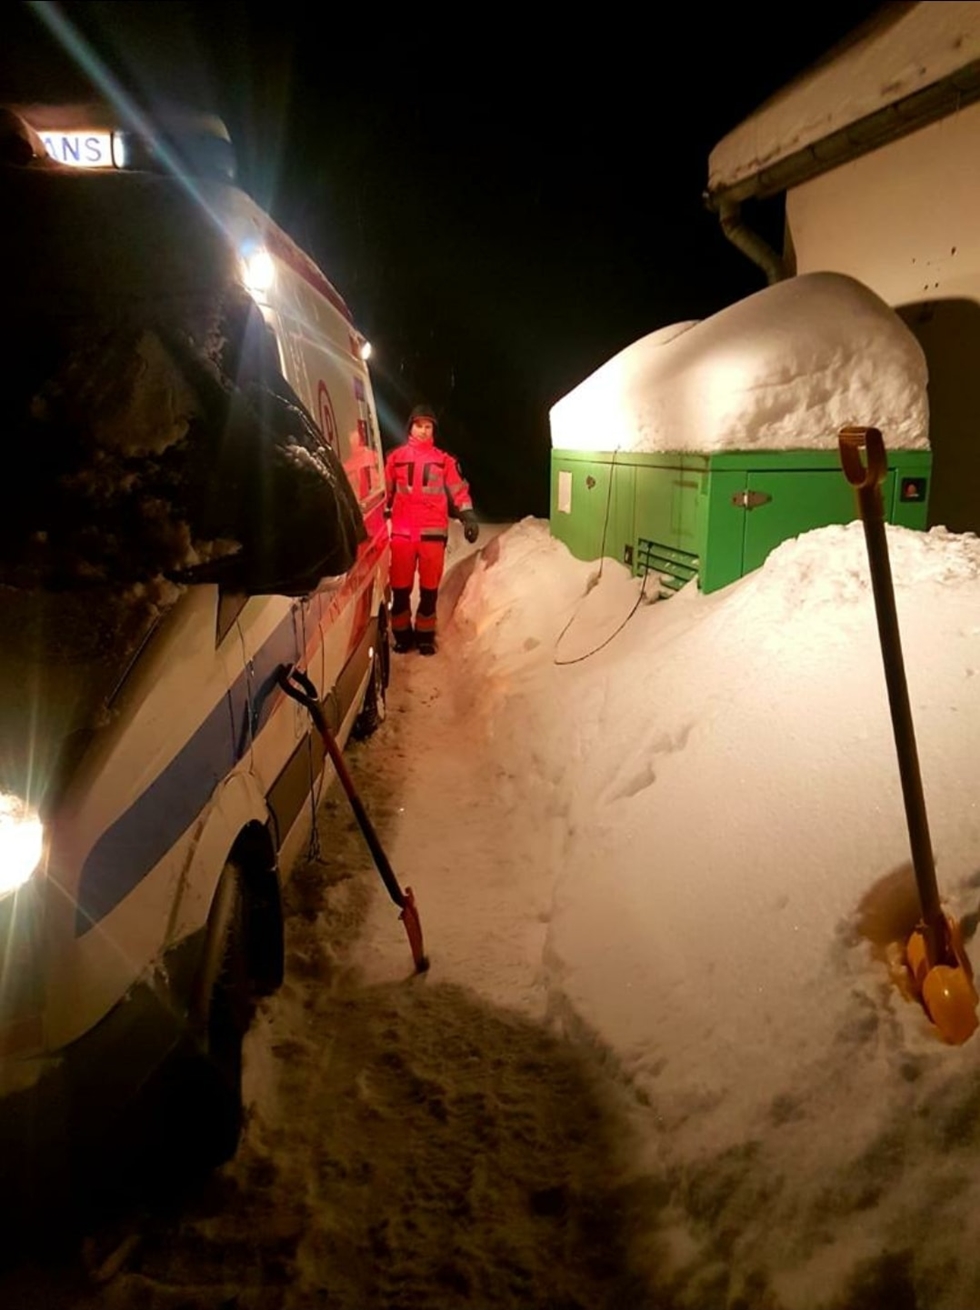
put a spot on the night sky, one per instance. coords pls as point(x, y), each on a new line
point(503, 203)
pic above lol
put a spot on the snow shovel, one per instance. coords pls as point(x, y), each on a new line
point(940, 971)
point(300, 688)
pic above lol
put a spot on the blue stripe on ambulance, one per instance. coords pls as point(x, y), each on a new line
point(141, 836)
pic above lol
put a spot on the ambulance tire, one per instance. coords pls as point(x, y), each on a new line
point(374, 711)
point(266, 932)
point(198, 1107)
point(228, 1013)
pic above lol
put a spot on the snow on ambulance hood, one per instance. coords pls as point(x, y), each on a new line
point(155, 434)
point(783, 369)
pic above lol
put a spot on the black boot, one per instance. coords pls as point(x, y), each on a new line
point(401, 619)
point(425, 621)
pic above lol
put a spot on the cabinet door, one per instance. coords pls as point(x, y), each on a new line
point(666, 520)
point(797, 501)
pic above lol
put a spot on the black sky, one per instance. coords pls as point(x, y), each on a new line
point(505, 198)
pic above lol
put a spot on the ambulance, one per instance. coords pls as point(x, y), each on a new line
point(193, 508)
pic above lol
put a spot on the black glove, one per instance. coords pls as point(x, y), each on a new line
point(471, 529)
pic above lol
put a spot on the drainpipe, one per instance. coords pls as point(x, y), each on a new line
point(749, 242)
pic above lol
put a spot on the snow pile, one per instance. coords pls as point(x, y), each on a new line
point(783, 369)
point(731, 860)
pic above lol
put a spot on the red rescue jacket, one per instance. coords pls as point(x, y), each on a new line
point(421, 480)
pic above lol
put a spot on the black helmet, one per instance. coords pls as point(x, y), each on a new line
point(423, 411)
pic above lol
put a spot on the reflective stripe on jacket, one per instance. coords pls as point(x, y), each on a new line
point(421, 480)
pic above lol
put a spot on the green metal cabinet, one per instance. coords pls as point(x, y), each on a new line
point(714, 517)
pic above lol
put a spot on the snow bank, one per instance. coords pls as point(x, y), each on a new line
point(731, 858)
point(783, 369)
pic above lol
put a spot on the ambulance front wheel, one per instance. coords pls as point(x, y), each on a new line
point(224, 1010)
point(199, 1111)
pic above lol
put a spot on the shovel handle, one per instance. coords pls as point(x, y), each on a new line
point(297, 685)
point(866, 478)
point(852, 440)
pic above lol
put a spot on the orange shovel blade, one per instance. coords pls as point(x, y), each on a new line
point(946, 990)
point(917, 958)
point(950, 1002)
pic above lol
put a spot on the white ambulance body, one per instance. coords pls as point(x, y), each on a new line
point(146, 744)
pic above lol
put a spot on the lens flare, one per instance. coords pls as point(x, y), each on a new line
point(21, 842)
point(258, 273)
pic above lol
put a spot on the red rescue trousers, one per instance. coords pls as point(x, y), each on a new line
point(428, 556)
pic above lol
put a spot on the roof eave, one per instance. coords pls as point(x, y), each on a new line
point(895, 120)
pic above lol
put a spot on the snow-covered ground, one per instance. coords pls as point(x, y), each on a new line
point(659, 850)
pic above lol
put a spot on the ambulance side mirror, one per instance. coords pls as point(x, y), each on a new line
point(274, 500)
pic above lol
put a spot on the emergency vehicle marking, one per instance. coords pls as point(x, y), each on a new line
point(328, 423)
point(141, 836)
point(127, 851)
point(79, 149)
point(132, 846)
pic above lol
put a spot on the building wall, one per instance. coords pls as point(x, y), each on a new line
point(905, 220)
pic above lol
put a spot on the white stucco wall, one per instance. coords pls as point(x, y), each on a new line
point(905, 219)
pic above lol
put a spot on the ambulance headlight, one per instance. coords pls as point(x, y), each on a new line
point(365, 351)
point(21, 842)
point(258, 273)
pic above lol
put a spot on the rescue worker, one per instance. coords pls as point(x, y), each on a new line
point(422, 481)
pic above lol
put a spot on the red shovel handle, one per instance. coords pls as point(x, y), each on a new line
point(297, 685)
